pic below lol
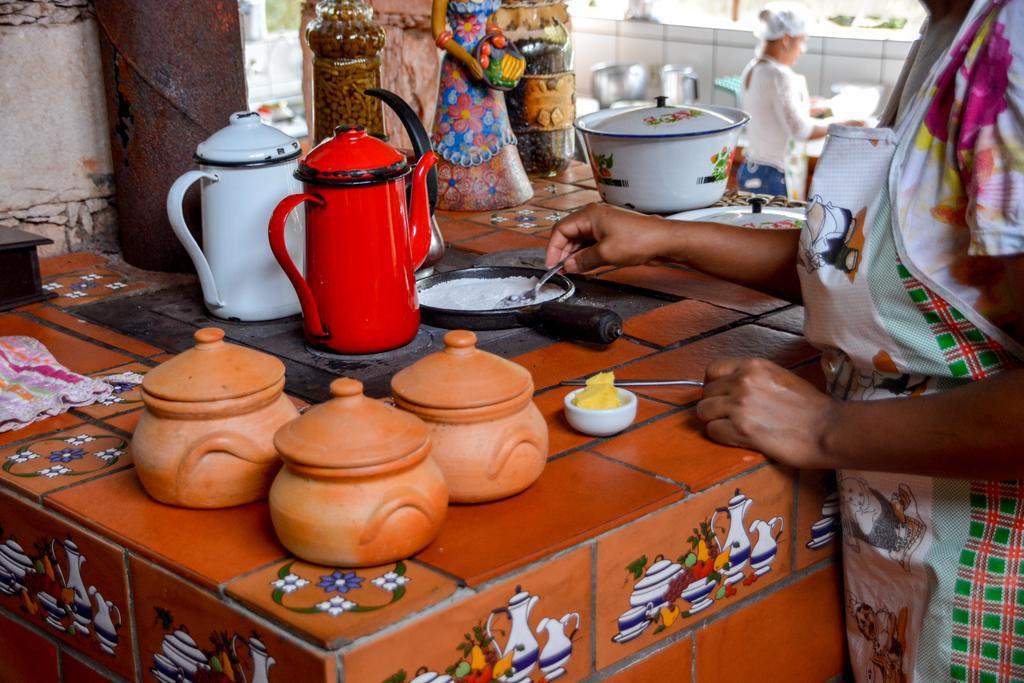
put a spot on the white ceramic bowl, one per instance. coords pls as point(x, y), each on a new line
point(662, 159)
point(601, 422)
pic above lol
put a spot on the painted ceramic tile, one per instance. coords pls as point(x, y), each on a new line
point(672, 663)
point(532, 628)
point(336, 605)
point(545, 189)
point(86, 286)
point(25, 655)
point(671, 570)
point(527, 218)
point(66, 581)
point(127, 395)
point(64, 458)
point(819, 529)
point(187, 635)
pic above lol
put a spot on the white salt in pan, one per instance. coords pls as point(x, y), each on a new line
point(484, 294)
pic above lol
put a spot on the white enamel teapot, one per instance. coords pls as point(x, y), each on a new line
point(246, 168)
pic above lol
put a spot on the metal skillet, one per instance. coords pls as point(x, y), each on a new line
point(555, 317)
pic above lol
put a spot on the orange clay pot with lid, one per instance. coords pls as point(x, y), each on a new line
point(489, 438)
point(205, 437)
point(358, 487)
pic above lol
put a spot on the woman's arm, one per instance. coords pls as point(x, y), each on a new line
point(973, 432)
point(762, 259)
point(443, 38)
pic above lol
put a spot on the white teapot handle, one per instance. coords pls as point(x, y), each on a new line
point(177, 218)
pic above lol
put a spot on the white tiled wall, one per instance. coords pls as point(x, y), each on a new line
point(716, 52)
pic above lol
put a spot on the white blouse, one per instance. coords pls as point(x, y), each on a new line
point(779, 107)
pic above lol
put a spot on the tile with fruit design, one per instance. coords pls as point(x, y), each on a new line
point(58, 460)
point(331, 606)
point(65, 581)
point(666, 572)
point(126, 381)
point(819, 530)
point(526, 218)
point(88, 286)
point(186, 634)
point(532, 627)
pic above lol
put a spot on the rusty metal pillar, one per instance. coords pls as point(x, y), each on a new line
point(174, 72)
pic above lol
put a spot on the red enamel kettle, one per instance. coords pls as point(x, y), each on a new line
point(362, 243)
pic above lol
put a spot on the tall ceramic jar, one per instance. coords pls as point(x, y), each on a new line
point(542, 107)
point(358, 487)
point(489, 438)
point(205, 437)
point(347, 48)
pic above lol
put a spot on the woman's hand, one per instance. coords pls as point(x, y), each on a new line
point(756, 404)
point(616, 237)
point(474, 66)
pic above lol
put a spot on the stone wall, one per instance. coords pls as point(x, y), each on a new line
point(56, 174)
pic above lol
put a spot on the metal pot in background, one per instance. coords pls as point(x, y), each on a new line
point(680, 84)
point(614, 81)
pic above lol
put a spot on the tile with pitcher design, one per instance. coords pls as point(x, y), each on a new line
point(187, 634)
point(331, 606)
point(819, 530)
point(66, 581)
point(669, 571)
point(532, 627)
point(58, 460)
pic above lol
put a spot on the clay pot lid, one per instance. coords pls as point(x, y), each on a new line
point(350, 430)
point(213, 370)
point(462, 376)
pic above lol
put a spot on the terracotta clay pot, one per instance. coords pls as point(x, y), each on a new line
point(205, 438)
point(359, 487)
point(489, 438)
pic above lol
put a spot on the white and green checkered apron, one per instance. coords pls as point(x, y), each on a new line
point(934, 568)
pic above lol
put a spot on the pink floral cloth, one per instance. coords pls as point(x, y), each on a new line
point(33, 385)
point(960, 188)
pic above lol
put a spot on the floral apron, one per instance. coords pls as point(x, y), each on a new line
point(933, 567)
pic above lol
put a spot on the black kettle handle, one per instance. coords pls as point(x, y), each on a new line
point(417, 133)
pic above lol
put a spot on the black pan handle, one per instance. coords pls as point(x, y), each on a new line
point(575, 322)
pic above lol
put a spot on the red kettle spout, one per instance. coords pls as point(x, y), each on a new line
point(419, 213)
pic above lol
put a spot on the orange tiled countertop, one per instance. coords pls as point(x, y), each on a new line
point(550, 576)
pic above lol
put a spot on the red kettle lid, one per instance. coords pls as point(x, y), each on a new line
point(351, 157)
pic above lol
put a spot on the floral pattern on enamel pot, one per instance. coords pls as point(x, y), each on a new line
point(668, 571)
point(66, 582)
point(506, 646)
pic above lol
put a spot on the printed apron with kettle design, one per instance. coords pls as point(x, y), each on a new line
point(934, 568)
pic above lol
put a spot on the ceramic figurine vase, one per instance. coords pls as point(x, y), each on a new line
point(205, 438)
point(359, 487)
point(347, 49)
point(489, 438)
point(479, 167)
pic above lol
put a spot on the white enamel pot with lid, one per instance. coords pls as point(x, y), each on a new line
point(245, 169)
point(662, 159)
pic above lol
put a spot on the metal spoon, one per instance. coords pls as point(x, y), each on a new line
point(531, 295)
point(639, 383)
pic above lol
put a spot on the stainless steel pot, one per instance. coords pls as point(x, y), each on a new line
point(614, 81)
point(680, 84)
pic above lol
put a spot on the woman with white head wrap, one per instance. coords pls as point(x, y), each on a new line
point(776, 98)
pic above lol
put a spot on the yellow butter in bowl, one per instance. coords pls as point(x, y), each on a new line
point(600, 393)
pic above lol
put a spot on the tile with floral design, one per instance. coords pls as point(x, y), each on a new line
point(87, 286)
point(58, 460)
point(669, 571)
point(545, 189)
point(572, 201)
point(127, 394)
point(187, 634)
point(332, 606)
point(524, 218)
point(537, 623)
point(35, 429)
point(66, 581)
point(819, 530)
